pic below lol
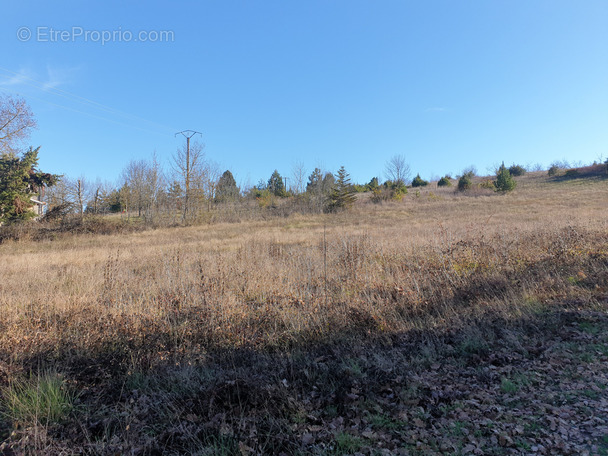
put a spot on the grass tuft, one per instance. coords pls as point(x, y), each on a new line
point(43, 399)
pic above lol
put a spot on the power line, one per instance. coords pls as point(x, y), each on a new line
point(155, 132)
point(79, 99)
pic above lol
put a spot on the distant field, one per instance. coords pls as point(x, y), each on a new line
point(340, 333)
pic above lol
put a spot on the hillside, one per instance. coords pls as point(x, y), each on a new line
point(445, 323)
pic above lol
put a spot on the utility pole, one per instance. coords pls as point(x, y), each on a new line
point(187, 134)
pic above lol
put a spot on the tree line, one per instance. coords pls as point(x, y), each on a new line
point(189, 189)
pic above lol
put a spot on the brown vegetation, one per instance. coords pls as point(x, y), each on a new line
point(294, 334)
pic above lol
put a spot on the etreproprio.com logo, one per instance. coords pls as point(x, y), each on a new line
point(45, 34)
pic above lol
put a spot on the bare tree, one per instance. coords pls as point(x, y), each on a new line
point(70, 195)
point(397, 170)
point(298, 174)
point(191, 172)
point(144, 184)
point(470, 170)
point(58, 196)
point(16, 122)
point(79, 191)
point(156, 182)
point(135, 177)
point(212, 176)
point(96, 195)
point(125, 199)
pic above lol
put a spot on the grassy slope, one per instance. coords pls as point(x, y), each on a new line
point(443, 324)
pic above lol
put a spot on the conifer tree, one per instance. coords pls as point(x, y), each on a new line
point(315, 181)
point(342, 194)
point(19, 181)
point(504, 181)
point(226, 188)
point(276, 185)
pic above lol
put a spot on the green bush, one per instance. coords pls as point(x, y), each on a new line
point(397, 187)
point(419, 182)
point(553, 171)
point(517, 170)
point(504, 181)
point(444, 182)
point(465, 183)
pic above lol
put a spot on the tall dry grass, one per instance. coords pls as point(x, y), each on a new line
point(141, 329)
point(433, 259)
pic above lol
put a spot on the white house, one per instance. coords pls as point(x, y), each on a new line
point(38, 207)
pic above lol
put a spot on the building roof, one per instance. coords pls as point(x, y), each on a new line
point(35, 201)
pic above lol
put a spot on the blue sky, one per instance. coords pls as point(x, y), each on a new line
point(327, 83)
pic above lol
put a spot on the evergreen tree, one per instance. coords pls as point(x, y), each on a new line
point(419, 181)
point(315, 181)
point(444, 181)
point(226, 188)
point(328, 183)
point(276, 185)
point(372, 185)
point(504, 181)
point(19, 181)
point(342, 195)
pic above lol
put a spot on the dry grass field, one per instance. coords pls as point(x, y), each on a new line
point(441, 324)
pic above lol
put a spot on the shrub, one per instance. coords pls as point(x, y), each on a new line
point(419, 181)
point(379, 195)
point(372, 185)
point(388, 191)
point(572, 172)
point(265, 198)
point(465, 183)
point(399, 189)
point(487, 184)
point(557, 166)
point(517, 170)
point(504, 181)
point(444, 182)
point(470, 171)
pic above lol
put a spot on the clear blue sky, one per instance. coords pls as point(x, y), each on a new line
point(268, 83)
